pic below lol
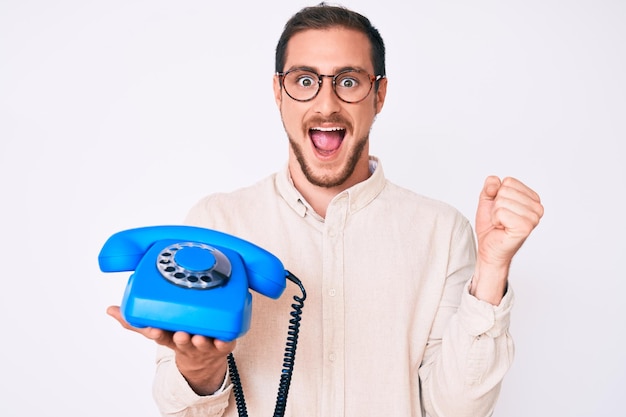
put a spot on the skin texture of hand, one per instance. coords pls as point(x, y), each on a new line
point(507, 213)
point(201, 360)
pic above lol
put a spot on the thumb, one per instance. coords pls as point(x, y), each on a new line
point(490, 188)
point(116, 313)
point(486, 203)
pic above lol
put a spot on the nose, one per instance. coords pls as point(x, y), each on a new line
point(326, 102)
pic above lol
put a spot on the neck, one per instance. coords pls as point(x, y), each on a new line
point(320, 197)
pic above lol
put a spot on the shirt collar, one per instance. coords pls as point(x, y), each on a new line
point(359, 195)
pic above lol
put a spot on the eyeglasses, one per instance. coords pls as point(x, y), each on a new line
point(351, 86)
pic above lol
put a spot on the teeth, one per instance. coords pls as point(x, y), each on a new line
point(327, 129)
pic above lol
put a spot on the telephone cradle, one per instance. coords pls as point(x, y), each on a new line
point(197, 280)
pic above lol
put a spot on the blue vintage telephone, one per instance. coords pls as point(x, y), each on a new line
point(196, 280)
point(191, 279)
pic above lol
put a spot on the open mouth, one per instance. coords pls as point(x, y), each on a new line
point(327, 140)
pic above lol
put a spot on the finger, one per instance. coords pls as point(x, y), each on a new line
point(205, 344)
point(185, 342)
point(490, 188)
point(116, 313)
point(182, 340)
point(224, 347)
point(161, 337)
point(516, 225)
point(520, 202)
point(518, 215)
point(202, 343)
point(515, 184)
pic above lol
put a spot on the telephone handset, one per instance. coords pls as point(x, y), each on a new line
point(191, 279)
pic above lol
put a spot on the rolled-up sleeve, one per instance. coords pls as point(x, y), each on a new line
point(469, 363)
point(174, 396)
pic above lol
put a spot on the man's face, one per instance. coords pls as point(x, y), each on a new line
point(328, 137)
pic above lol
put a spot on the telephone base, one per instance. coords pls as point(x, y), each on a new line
point(222, 312)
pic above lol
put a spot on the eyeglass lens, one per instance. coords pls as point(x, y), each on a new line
point(350, 86)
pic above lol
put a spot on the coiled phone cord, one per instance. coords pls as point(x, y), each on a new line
point(288, 360)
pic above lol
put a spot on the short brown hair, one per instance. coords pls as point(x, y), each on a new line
point(324, 16)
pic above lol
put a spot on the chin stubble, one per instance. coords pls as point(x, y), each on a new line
point(327, 181)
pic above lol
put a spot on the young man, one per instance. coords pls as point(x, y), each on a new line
point(403, 317)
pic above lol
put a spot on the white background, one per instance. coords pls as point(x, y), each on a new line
point(117, 114)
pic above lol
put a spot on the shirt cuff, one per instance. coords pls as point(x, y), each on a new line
point(480, 317)
point(189, 396)
point(224, 384)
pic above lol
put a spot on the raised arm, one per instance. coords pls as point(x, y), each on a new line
point(507, 213)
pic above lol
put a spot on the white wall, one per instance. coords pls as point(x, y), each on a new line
point(122, 113)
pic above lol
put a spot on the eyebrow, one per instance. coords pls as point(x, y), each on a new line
point(315, 70)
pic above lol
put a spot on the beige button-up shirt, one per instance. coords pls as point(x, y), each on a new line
point(388, 327)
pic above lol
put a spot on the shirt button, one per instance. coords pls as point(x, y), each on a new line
point(331, 357)
point(332, 292)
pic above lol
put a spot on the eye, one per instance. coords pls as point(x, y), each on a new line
point(348, 81)
point(305, 81)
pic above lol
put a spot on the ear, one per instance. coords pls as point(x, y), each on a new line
point(381, 93)
point(278, 96)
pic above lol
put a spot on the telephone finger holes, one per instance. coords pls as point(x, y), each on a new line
point(194, 265)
